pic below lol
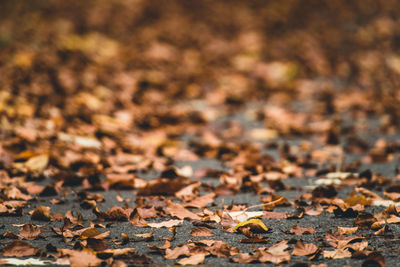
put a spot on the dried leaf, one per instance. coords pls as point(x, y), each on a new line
point(297, 230)
point(168, 224)
point(178, 210)
point(304, 249)
point(29, 232)
point(337, 254)
point(347, 230)
point(255, 225)
point(201, 231)
point(19, 249)
point(195, 259)
point(41, 213)
point(175, 253)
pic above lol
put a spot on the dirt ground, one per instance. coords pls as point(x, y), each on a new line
point(200, 133)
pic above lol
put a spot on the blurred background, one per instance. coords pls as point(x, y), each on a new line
point(131, 62)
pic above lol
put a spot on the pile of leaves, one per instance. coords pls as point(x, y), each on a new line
point(190, 132)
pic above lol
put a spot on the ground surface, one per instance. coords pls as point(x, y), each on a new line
point(139, 132)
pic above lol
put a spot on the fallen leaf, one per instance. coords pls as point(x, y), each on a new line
point(337, 254)
point(201, 231)
point(255, 225)
point(276, 258)
point(82, 258)
point(364, 220)
point(304, 249)
point(347, 230)
point(175, 253)
point(19, 249)
point(374, 259)
point(178, 210)
point(29, 232)
point(167, 224)
point(384, 230)
point(41, 213)
point(242, 216)
point(297, 230)
point(96, 244)
point(201, 202)
point(197, 258)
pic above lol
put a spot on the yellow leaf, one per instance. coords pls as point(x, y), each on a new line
point(256, 225)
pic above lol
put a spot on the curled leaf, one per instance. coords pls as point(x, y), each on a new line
point(255, 225)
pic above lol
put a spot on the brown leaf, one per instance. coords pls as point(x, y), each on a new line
point(304, 249)
point(167, 224)
point(163, 186)
point(276, 258)
point(278, 248)
point(161, 249)
point(274, 215)
point(337, 254)
point(364, 220)
point(13, 192)
point(143, 237)
point(297, 230)
point(124, 240)
point(384, 230)
point(188, 192)
point(41, 213)
point(245, 258)
point(374, 259)
point(195, 259)
point(19, 249)
point(178, 210)
point(201, 231)
point(96, 244)
point(314, 212)
point(76, 220)
point(121, 181)
point(145, 213)
point(324, 192)
point(201, 202)
point(29, 232)
point(81, 258)
point(347, 230)
point(117, 214)
point(92, 233)
point(175, 253)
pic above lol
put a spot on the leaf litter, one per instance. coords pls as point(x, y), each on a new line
point(276, 139)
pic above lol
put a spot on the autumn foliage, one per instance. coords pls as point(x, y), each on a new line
point(199, 132)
